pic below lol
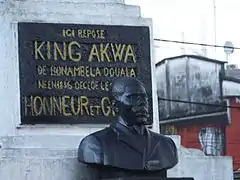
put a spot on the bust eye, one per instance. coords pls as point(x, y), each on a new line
point(132, 97)
point(135, 97)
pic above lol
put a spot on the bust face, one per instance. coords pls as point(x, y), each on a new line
point(134, 104)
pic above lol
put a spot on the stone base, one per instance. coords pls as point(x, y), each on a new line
point(55, 157)
point(147, 178)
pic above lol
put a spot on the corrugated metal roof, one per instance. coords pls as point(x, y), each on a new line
point(233, 73)
point(191, 56)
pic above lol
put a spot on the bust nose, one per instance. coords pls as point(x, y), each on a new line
point(141, 99)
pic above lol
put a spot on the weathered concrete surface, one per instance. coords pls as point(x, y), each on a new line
point(80, 1)
point(50, 141)
point(83, 1)
point(203, 168)
point(30, 156)
point(41, 141)
point(44, 169)
point(55, 164)
point(39, 7)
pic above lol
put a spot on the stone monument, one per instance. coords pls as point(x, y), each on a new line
point(58, 60)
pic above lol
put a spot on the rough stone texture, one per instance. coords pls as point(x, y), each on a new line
point(194, 163)
point(44, 169)
point(30, 155)
point(83, 1)
point(50, 141)
point(203, 168)
point(80, 1)
point(45, 7)
point(208, 168)
point(41, 141)
point(54, 164)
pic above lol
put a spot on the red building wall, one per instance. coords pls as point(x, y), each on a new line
point(233, 133)
point(190, 133)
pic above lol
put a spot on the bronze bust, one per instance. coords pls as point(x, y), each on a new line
point(127, 145)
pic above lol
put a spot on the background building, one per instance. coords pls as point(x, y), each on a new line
point(199, 100)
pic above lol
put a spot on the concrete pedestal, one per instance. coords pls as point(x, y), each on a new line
point(29, 157)
point(146, 178)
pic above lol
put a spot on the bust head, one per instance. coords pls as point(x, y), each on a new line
point(130, 101)
point(144, 150)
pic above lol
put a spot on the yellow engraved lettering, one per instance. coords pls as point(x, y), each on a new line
point(37, 50)
point(85, 85)
point(76, 85)
point(79, 33)
point(82, 70)
point(70, 51)
point(37, 107)
point(84, 103)
point(92, 72)
point(41, 84)
point(103, 52)
point(41, 70)
point(47, 106)
point(60, 85)
point(129, 53)
point(133, 73)
point(69, 85)
point(93, 34)
point(91, 110)
point(107, 84)
point(102, 35)
point(64, 33)
point(48, 50)
point(98, 72)
point(84, 33)
point(118, 53)
point(73, 108)
point(122, 72)
point(65, 106)
point(102, 86)
point(97, 109)
point(94, 53)
point(28, 105)
point(88, 33)
point(57, 105)
point(87, 71)
point(106, 109)
point(70, 72)
point(57, 51)
point(68, 33)
point(76, 71)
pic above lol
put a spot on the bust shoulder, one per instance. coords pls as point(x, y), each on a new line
point(166, 142)
point(90, 148)
point(162, 137)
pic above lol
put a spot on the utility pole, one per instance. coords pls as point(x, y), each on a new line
point(183, 49)
point(214, 24)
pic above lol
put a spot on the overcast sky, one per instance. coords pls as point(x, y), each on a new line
point(193, 20)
